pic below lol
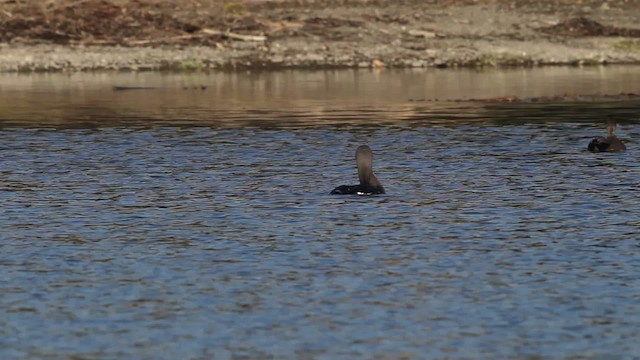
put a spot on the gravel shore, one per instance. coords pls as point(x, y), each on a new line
point(372, 34)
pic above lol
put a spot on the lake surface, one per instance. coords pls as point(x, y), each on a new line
point(182, 223)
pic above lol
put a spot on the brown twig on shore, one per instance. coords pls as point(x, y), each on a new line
point(94, 42)
point(161, 40)
point(201, 34)
point(231, 35)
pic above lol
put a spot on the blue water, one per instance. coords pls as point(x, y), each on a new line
point(206, 231)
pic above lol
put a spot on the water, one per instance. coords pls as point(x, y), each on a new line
point(187, 223)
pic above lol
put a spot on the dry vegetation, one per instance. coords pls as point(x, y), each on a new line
point(123, 22)
point(211, 22)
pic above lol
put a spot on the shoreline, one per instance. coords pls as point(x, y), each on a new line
point(369, 35)
point(56, 58)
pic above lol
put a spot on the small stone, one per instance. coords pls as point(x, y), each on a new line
point(422, 34)
point(377, 64)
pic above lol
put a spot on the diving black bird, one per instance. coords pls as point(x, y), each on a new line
point(369, 184)
point(611, 143)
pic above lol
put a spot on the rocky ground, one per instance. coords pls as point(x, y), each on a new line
point(72, 35)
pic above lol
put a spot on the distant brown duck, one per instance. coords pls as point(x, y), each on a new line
point(611, 143)
point(369, 184)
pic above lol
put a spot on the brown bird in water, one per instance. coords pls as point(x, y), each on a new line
point(369, 184)
point(611, 143)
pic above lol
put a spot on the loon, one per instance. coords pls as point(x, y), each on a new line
point(611, 143)
point(369, 184)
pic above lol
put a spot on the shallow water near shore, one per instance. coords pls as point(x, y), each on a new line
point(182, 222)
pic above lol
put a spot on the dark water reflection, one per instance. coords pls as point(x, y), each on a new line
point(154, 224)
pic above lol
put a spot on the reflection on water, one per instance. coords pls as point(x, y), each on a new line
point(289, 98)
point(176, 223)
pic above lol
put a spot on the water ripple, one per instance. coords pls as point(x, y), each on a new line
point(180, 237)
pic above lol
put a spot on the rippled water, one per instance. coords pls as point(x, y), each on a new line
point(187, 223)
